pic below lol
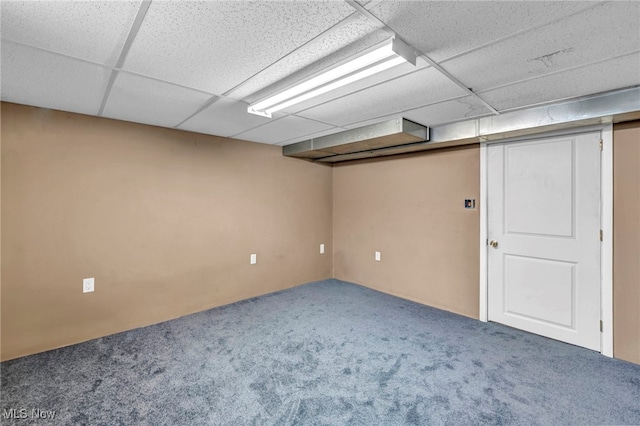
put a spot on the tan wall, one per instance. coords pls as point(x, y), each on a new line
point(164, 220)
point(626, 241)
point(411, 209)
point(0, 232)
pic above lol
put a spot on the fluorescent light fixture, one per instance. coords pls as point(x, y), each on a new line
point(393, 52)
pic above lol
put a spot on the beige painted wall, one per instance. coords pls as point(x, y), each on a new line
point(411, 209)
point(626, 241)
point(164, 220)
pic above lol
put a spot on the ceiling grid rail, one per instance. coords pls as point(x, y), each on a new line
point(133, 32)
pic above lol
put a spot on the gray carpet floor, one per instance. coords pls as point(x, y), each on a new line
point(325, 353)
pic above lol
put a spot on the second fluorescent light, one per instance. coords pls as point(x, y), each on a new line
point(391, 54)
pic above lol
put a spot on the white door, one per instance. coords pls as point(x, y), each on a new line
point(544, 234)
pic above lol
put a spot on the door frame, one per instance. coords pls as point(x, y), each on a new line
point(606, 223)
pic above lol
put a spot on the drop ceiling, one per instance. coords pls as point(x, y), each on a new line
point(196, 66)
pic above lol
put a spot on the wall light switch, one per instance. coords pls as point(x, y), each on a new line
point(254, 258)
point(321, 248)
point(378, 256)
point(88, 285)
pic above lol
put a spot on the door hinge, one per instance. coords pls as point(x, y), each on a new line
point(601, 327)
point(601, 235)
point(601, 145)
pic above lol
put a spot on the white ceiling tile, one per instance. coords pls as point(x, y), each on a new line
point(90, 30)
point(282, 130)
point(225, 117)
point(423, 87)
point(448, 111)
point(441, 29)
point(610, 75)
point(35, 77)
point(439, 113)
point(143, 100)
point(214, 46)
point(601, 32)
point(342, 41)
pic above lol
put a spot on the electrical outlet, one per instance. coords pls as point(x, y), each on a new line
point(88, 285)
point(321, 248)
point(254, 258)
point(378, 256)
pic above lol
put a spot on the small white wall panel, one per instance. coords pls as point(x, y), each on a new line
point(548, 213)
point(551, 300)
